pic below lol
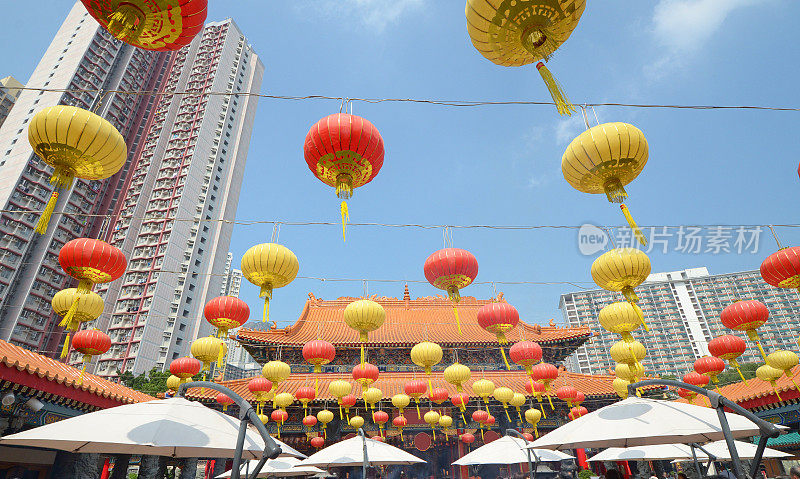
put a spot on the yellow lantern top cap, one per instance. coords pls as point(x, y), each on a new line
point(621, 268)
point(77, 141)
point(514, 33)
point(270, 265)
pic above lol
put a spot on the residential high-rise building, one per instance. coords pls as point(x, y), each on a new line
point(9, 92)
point(682, 310)
point(88, 61)
point(231, 279)
point(182, 184)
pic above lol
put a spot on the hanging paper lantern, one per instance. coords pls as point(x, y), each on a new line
point(344, 151)
point(310, 421)
point(567, 394)
point(380, 418)
point(622, 269)
point(746, 316)
point(269, 266)
point(279, 417)
point(317, 442)
point(305, 395)
point(490, 421)
point(532, 417)
point(77, 144)
point(630, 353)
point(709, 366)
point(318, 353)
point(457, 374)
point(365, 374)
point(451, 269)
point(467, 438)
point(185, 367)
point(528, 436)
point(276, 372)
point(526, 354)
point(483, 388)
point(372, 396)
point(512, 33)
point(784, 361)
point(769, 374)
point(401, 401)
point(445, 422)
point(480, 416)
point(460, 400)
point(91, 262)
point(545, 373)
point(324, 417)
point(426, 355)
point(621, 318)
point(579, 398)
point(577, 412)
point(400, 422)
point(282, 401)
point(604, 159)
point(630, 373)
point(348, 401)
point(263, 418)
point(364, 316)
point(224, 400)
point(339, 389)
point(432, 418)
point(438, 395)
point(90, 342)
point(173, 383)
point(499, 318)
point(729, 348)
point(536, 389)
point(207, 350)
point(620, 386)
point(696, 379)
point(416, 389)
point(504, 395)
point(150, 25)
point(378, 438)
point(260, 388)
point(356, 422)
point(88, 307)
point(225, 313)
point(687, 394)
point(518, 400)
point(782, 268)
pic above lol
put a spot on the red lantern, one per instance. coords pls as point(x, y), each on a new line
point(310, 420)
point(528, 436)
point(782, 268)
point(225, 400)
point(91, 262)
point(260, 388)
point(345, 152)
point(185, 368)
point(415, 389)
point(380, 418)
point(567, 393)
point(305, 395)
point(499, 318)
point(695, 379)
point(480, 416)
point(467, 438)
point(579, 398)
point(90, 342)
point(439, 395)
point(729, 348)
point(451, 269)
point(490, 421)
point(348, 402)
point(317, 442)
point(536, 389)
point(709, 366)
point(226, 312)
point(577, 412)
point(378, 438)
point(746, 316)
point(150, 25)
point(526, 354)
point(365, 374)
point(279, 416)
point(546, 374)
point(400, 422)
point(318, 353)
point(686, 394)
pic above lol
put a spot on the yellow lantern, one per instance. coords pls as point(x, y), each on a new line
point(426, 355)
point(504, 395)
point(276, 372)
point(324, 417)
point(770, 374)
point(445, 422)
point(604, 159)
point(457, 374)
point(401, 401)
point(264, 418)
point(206, 350)
point(173, 382)
point(532, 417)
point(621, 318)
point(282, 401)
point(432, 418)
point(620, 385)
point(784, 361)
point(89, 306)
point(483, 388)
point(340, 389)
point(356, 422)
point(269, 266)
point(630, 353)
point(518, 400)
point(622, 269)
point(76, 143)
point(372, 396)
point(630, 373)
point(364, 316)
point(515, 33)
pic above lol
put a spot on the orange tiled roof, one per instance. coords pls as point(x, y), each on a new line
point(392, 383)
point(16, 359)
point(408, 321)
point(757, 392)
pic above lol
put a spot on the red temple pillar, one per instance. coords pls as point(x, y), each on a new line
point(581, 453)
point(463, 471)
point(104, 474)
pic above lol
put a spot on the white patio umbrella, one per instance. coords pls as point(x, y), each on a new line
point(659, 452)
point(350, 452)
point(642, 422)
point(508, 450)
point(171, 427)
point(745, 450)
point(281, 467)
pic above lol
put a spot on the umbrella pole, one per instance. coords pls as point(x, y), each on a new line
point(762, 444)
point(366, 460)
point(237, 458)
point(723, 421)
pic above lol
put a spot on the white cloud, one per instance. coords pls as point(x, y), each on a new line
point(682, 27)
point(567, 129)
point(374, 14)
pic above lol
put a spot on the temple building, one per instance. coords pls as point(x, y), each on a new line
point(408, 322)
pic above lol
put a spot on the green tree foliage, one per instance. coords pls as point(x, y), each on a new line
point(585, 474)
point(151, 383)
point(730, 375)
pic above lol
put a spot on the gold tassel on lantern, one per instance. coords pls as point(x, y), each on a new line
point(563, 104)
point(65, 348)
point(455, 297)
point(345, 218)
point(44, 220)
point(636, 231)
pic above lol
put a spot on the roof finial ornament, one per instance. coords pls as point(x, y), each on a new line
point(406, 294)
point(552, 323)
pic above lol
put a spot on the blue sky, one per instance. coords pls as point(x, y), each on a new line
point(500, 165)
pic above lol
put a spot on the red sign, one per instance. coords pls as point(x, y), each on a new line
point(422, 441)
